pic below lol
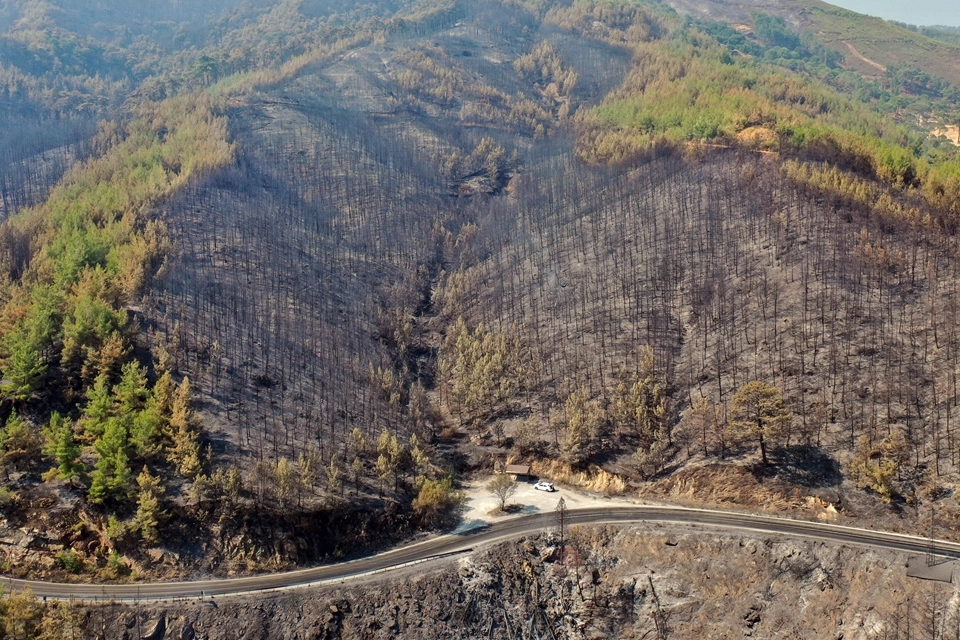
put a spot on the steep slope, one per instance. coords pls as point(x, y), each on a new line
point(287, 299)
point(731, 266)
point(326, 236)
point(473, 231)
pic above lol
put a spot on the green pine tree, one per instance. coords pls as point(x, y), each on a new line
point(131, 392)
point(146, 428)
point(18, 443)
point(28, 345)
point(184, 451)
point(98, 409)
point(62, 448)
point(148, 517)
point(24, 367)
point(111, 478)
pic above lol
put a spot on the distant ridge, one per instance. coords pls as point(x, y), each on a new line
point(879, 41)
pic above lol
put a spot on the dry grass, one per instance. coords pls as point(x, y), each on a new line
point(725, 485)
point(593, 479)
point(758, 138)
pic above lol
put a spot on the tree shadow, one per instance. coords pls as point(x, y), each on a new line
point(472, 527)
point(806, 466)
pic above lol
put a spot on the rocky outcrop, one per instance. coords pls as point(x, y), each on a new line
point(601, 583)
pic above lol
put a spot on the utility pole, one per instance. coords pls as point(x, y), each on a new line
point(931, 539)
point(659, 617)
point(562, 523)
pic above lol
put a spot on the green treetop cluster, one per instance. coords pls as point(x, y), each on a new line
point(69, 269)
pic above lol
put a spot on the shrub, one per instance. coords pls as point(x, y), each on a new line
point(70, 561)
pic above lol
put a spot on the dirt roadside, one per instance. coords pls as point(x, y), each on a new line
point(482, 506)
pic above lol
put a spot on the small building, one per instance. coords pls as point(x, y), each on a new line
point(519, 471)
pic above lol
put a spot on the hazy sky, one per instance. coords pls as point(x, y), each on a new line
point(919, 12)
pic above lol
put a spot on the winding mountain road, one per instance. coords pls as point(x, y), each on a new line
point(459, 543)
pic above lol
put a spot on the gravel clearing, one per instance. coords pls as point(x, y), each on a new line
point(481, 505)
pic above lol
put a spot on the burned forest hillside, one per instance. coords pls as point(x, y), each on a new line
point(292, 273)
point(303, 295)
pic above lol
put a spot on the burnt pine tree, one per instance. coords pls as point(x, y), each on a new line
point(758, 414)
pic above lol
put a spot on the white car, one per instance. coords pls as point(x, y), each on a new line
point(544, 486)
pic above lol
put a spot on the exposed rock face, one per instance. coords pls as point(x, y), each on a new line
point(157, 630)
point(602, 583)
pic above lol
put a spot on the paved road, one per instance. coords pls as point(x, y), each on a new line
point(454, 544)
